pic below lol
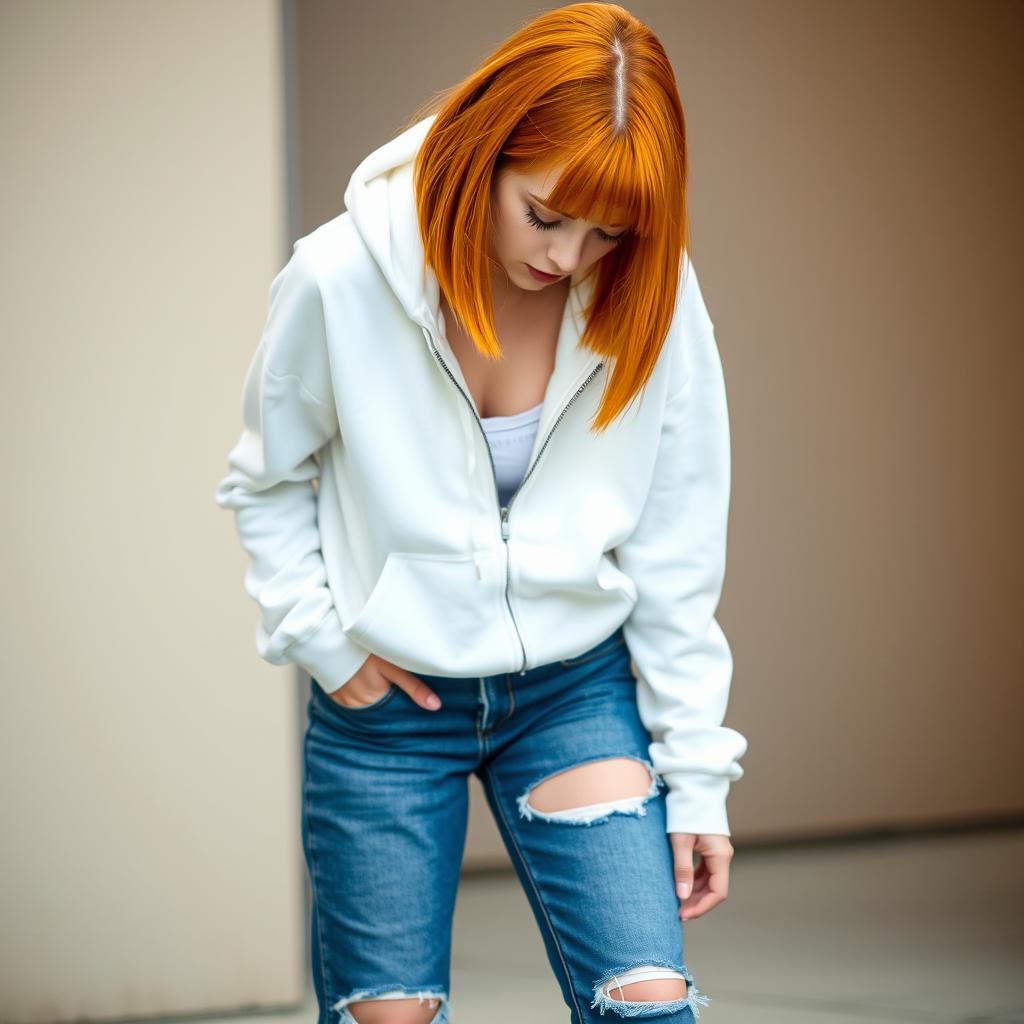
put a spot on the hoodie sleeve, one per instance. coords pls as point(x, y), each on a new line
point(676, 556)
point(288, 416)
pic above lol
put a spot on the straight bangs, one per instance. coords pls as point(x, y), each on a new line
point(604, 184)
point(612, 178)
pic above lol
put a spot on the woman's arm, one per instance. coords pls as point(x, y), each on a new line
point(288, 414)
point(676, 556)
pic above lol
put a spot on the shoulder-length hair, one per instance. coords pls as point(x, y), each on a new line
point(590, 87)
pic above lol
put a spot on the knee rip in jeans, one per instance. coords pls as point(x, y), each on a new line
point(648, 990)
point(419, 1007)
point(545, 797)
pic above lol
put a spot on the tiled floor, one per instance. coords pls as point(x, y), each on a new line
point(924, 929)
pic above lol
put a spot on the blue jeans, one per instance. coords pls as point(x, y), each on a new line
point(384, 812)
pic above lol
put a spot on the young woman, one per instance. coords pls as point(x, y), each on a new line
point(497, 364)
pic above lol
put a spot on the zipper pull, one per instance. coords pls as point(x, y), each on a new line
point(504, 522)
point(477, 557)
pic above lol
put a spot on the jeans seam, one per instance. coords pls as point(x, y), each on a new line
point(511, 702)
point(533, 885)
point(328, 995)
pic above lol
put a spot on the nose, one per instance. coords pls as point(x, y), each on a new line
point(565, 253)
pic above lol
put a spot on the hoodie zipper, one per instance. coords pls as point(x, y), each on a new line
point(503, 510)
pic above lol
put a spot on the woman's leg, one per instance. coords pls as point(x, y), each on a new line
point(383, 826)
point(567, 776)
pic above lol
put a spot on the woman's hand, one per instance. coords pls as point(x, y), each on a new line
point(372, 680)
point(709, 885)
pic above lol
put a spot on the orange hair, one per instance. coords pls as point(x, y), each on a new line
point(588, 86)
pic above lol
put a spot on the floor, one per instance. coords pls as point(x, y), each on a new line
point(916, 929)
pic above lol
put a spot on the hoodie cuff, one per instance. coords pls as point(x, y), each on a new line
point(696, 803)
point(328, 655)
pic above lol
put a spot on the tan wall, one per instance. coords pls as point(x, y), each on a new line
point(151, 861)
point(855, 198)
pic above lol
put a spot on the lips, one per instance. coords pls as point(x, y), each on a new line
point(541, 276)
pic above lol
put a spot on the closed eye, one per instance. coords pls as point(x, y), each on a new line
point(547, 225)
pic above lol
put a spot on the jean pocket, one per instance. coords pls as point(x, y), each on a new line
point(610, 645)
point(359, 709)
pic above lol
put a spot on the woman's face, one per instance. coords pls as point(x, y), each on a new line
point(529, 234)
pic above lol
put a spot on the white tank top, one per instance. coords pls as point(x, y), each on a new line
point(511, 440)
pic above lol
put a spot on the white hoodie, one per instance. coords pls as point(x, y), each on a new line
point(402, 549)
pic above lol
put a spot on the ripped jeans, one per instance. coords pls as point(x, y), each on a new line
point(384, 813)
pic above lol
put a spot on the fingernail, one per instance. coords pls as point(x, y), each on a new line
point(433, 701)
point(683, 889)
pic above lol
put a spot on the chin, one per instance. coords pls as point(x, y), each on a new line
point(527, 281)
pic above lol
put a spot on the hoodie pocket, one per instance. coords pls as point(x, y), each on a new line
point(422, 607)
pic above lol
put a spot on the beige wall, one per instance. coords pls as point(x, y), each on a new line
point(855, 196)
point(151, 860)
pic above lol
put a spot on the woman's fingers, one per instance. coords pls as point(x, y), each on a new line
point(360, 691)
point(703, 885)
point(364, 688)
point(415, 687)
point(372, 680)
point(348, 697)
point(710, 886)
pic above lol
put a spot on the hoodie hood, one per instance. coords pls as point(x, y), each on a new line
point(382, 202)
point(381, 199)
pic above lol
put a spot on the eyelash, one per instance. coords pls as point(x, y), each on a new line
point(547, 225)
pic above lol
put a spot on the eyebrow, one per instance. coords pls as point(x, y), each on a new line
point(559, 212)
